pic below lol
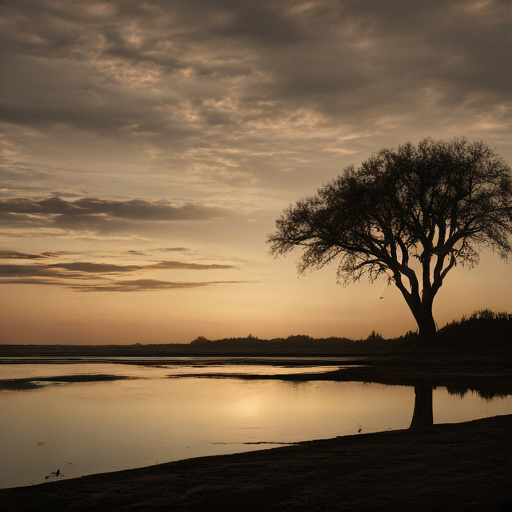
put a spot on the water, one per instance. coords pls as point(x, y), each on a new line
point(84, 428)
point(197, 365)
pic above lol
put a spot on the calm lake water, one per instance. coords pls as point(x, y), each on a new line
point(84, 428)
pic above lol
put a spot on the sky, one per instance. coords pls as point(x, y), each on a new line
point(147, 148)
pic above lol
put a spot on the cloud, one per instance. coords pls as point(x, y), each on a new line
point(214, 98)
point(170, 67)
point(237, 92)
point(134, 209)
point(101, 268)
point(28, 280)
point(136, 285)
point(289, 39)
point(100, 215)
point(180, 265)
point(9, 271)
point(173, 249)
point(80, 269)
point(84, 276)
point(25, 256)
point(139, 285)
point(96, 268)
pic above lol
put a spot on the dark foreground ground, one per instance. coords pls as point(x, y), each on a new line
point(459, 467)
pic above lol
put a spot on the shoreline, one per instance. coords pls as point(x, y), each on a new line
point(463, 466)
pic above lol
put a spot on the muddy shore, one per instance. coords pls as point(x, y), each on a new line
point(456, 467)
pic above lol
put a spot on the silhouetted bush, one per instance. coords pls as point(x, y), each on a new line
point(483, 329)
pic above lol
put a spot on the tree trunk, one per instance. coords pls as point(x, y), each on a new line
point(423, 315)
point(423, 415)
point(427, 327)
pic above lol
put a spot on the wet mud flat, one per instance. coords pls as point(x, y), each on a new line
point(178, 350)
point(456, 467)
point(38, 382)
point(488, 372)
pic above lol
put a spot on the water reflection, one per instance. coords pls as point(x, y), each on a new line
point(164, 369)
point(95, 427)
point(423, 413)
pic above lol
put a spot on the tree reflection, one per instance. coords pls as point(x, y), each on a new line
point(423, 415)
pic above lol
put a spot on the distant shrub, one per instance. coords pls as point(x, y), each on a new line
point(408, 338)
point(374, 336)
point(487, 314)
point(200, 340)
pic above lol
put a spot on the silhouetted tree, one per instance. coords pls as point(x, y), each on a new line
point(435, 204)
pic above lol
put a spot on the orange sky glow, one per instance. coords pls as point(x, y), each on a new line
point(148, 148)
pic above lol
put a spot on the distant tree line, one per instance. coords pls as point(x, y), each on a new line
point(484, 328)
point(296, 341)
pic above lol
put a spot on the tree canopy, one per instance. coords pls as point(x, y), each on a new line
point(437, 203)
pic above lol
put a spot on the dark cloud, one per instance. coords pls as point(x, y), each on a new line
point(399, 59)
point(137, 285)
point(21, 221)
point(96, 268)
point(78, 269)
point(22, 255)
point(352, 59)
point(9, 271)
point(139, 209)
point(236, 91)
point(101, 268)
point(180, 265)
point(90, 277)
point(98, 215)
point(134, 209)
point(64, 194)
point(29, 280)
point(173, 249)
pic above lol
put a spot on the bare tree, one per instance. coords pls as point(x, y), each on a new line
point(409, 214)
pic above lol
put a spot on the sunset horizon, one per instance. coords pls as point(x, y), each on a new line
point(148, 149)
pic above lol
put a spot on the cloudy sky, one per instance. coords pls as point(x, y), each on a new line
point(147, 148)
